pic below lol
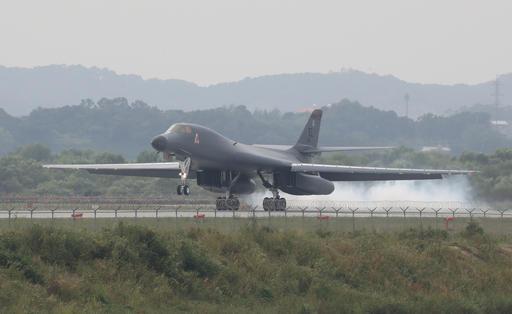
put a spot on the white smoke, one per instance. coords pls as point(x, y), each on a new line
point(451, 190)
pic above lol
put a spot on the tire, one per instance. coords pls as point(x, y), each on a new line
point(179, 189)
point(281, 204)
point(186, 190)
point(232, 203)
point(221, 204)
point(265, 204)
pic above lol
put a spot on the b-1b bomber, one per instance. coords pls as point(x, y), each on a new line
point(225, 166)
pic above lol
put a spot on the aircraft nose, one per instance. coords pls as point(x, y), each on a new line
point(159, 143)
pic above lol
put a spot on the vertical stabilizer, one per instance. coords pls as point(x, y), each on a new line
point(309, 136)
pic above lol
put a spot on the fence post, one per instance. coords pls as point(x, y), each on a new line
point(437, 215)
point(421, 216)
point(53, 212)
point(404, 210)
point(253, 208)
point(387, 210)
point(353, 218)
point(470, 211)
point(156, 212)
point(453, 211)
point(303, 209)
point(484, 211)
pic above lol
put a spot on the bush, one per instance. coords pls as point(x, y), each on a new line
point(473, 229)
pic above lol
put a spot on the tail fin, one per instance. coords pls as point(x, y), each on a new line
point(309, 136)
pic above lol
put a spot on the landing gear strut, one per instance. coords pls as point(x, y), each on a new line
point(229, 202)
point(274, 203)
point(183, 188)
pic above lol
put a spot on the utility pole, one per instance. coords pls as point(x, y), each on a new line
point(407, 98)
point(497, 95)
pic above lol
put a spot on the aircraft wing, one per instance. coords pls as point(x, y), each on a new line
point(274, 147)
point(351, 173)
point(160, 169)
point(324, 149)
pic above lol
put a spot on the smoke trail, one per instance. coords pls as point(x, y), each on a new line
point(451, 189)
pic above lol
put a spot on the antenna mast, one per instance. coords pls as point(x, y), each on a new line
point(497, 94)
point(407, 98)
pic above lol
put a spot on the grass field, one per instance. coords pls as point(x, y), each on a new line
point(494, 226)
point(260, 266)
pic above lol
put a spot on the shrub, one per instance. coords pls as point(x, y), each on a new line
point(473, 229)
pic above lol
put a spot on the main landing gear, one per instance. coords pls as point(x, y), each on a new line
point(229, 203)
point(183, 188)
point(274, 203)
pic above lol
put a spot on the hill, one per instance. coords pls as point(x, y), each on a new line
point(24, 89)
point(117, 126)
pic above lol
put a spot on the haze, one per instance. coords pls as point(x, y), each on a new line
point(225, 40)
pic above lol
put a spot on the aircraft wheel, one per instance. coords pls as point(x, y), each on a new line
point(221, 204)
point(186, 190)
point(271, 204)
point(233, 203)
point(280, 204)
point(179, 189)
point(266, 202)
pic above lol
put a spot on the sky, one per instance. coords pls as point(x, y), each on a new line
point(206, 42)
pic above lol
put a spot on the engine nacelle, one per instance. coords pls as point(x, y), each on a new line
point(303, 184)
point(220, 181)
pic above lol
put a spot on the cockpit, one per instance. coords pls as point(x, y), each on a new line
point(180, 128)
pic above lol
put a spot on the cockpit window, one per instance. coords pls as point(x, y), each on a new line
point(180, 128)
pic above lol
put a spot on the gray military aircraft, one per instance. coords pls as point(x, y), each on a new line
point(222, 165)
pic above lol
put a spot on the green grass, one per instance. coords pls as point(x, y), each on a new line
point(228, 266)
point(494, 226)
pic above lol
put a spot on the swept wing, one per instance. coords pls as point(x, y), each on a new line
point(351, 173)
point(323, 149)
point(160, 169)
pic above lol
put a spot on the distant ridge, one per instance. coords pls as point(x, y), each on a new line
point(24, 89)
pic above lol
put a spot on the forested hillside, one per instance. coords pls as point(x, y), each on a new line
point(24, 89)
point(117, 126)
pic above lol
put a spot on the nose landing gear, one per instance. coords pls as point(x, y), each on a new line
point(183, 188)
